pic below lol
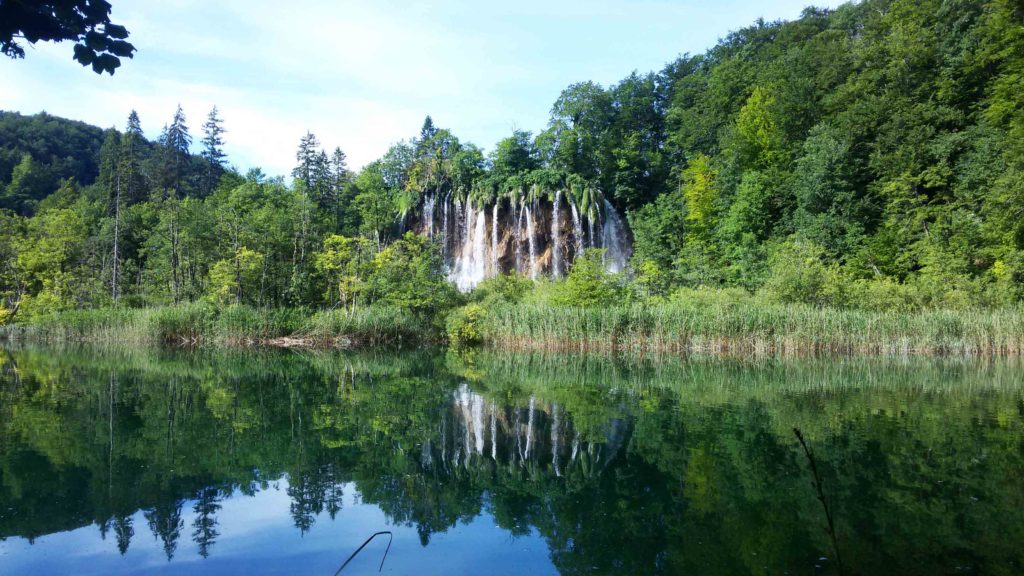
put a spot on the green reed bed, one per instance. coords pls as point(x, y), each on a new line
point(184, 324)
point(194, 324)
point(369, 326)
point(776, 328)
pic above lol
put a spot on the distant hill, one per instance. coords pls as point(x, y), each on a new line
point(60, 148)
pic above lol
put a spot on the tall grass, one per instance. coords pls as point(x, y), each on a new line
point(753, 327)
point(197, 323)
point(370, 326)
point(717, 326)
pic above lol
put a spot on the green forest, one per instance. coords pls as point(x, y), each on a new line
point(868, 158)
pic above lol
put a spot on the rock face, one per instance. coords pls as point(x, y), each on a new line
point(535, 238)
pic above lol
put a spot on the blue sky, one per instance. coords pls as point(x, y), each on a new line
point(362, 75)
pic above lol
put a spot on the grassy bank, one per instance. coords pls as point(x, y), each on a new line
point(751, 327)
point(200, 324)
point(708, 326)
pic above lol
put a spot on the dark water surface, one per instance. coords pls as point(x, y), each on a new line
point(284, 463)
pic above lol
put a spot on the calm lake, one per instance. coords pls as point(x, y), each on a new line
point(280, 462)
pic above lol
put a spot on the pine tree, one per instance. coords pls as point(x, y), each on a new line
point(177, 143)
point(109, 155)
point(306, 156)
point(340, 174)
point(320, 186)
point(427, 133)
point(126, 187)
point(213, 149)
point(132, 147)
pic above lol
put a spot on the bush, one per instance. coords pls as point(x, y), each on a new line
point(409, 274)
point(704, 297)
point(881, 295)
point(589, 283)
point(799, 275)
point(463, 325)
point(507, 288)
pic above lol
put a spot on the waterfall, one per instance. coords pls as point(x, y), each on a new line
point(613, 239)
point(577, 230)
point(426, 456)
point(457, 224)
point(467, 243)
point(556, 257)
point(470, 235)
point(444, 229)
point(518, 229)
point(494, 241)
point(478, 268)
point(532, 242)
point(471, 262)
point(428, 215)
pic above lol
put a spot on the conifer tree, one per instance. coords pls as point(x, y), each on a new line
point(306, 156)
point(320, 186)
point(177, 142)
point(213, 152)
point(132, 147)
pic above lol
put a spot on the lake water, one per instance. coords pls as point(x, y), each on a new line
point(280, 462)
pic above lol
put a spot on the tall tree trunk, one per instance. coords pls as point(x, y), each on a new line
point(175, 279)
point(117, 233)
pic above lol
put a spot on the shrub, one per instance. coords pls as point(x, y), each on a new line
point(463, 325)
point(799, 275)
point(589, 283)
point(509, 288)
point(882, 294)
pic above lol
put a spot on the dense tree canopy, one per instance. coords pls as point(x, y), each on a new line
point(868, 156)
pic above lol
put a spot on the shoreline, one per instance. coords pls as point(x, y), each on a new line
point(731, 329)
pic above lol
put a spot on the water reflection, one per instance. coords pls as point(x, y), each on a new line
point(633, 468)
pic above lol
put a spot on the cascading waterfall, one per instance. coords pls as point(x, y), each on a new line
point(577, 230)
point(531, 240)
point(459, 221)
point(614, 241)
point(444, 228)
point(478, 259)
point(518, 228)
point(494, 241)
point(556, 256)
point(428, 214)
point(590, 224)
point(471, 262)
point(472, 246)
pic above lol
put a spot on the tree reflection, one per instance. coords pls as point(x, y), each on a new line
point(633, 468)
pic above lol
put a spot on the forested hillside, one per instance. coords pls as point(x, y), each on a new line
point(38, 152)
point(868, 157)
